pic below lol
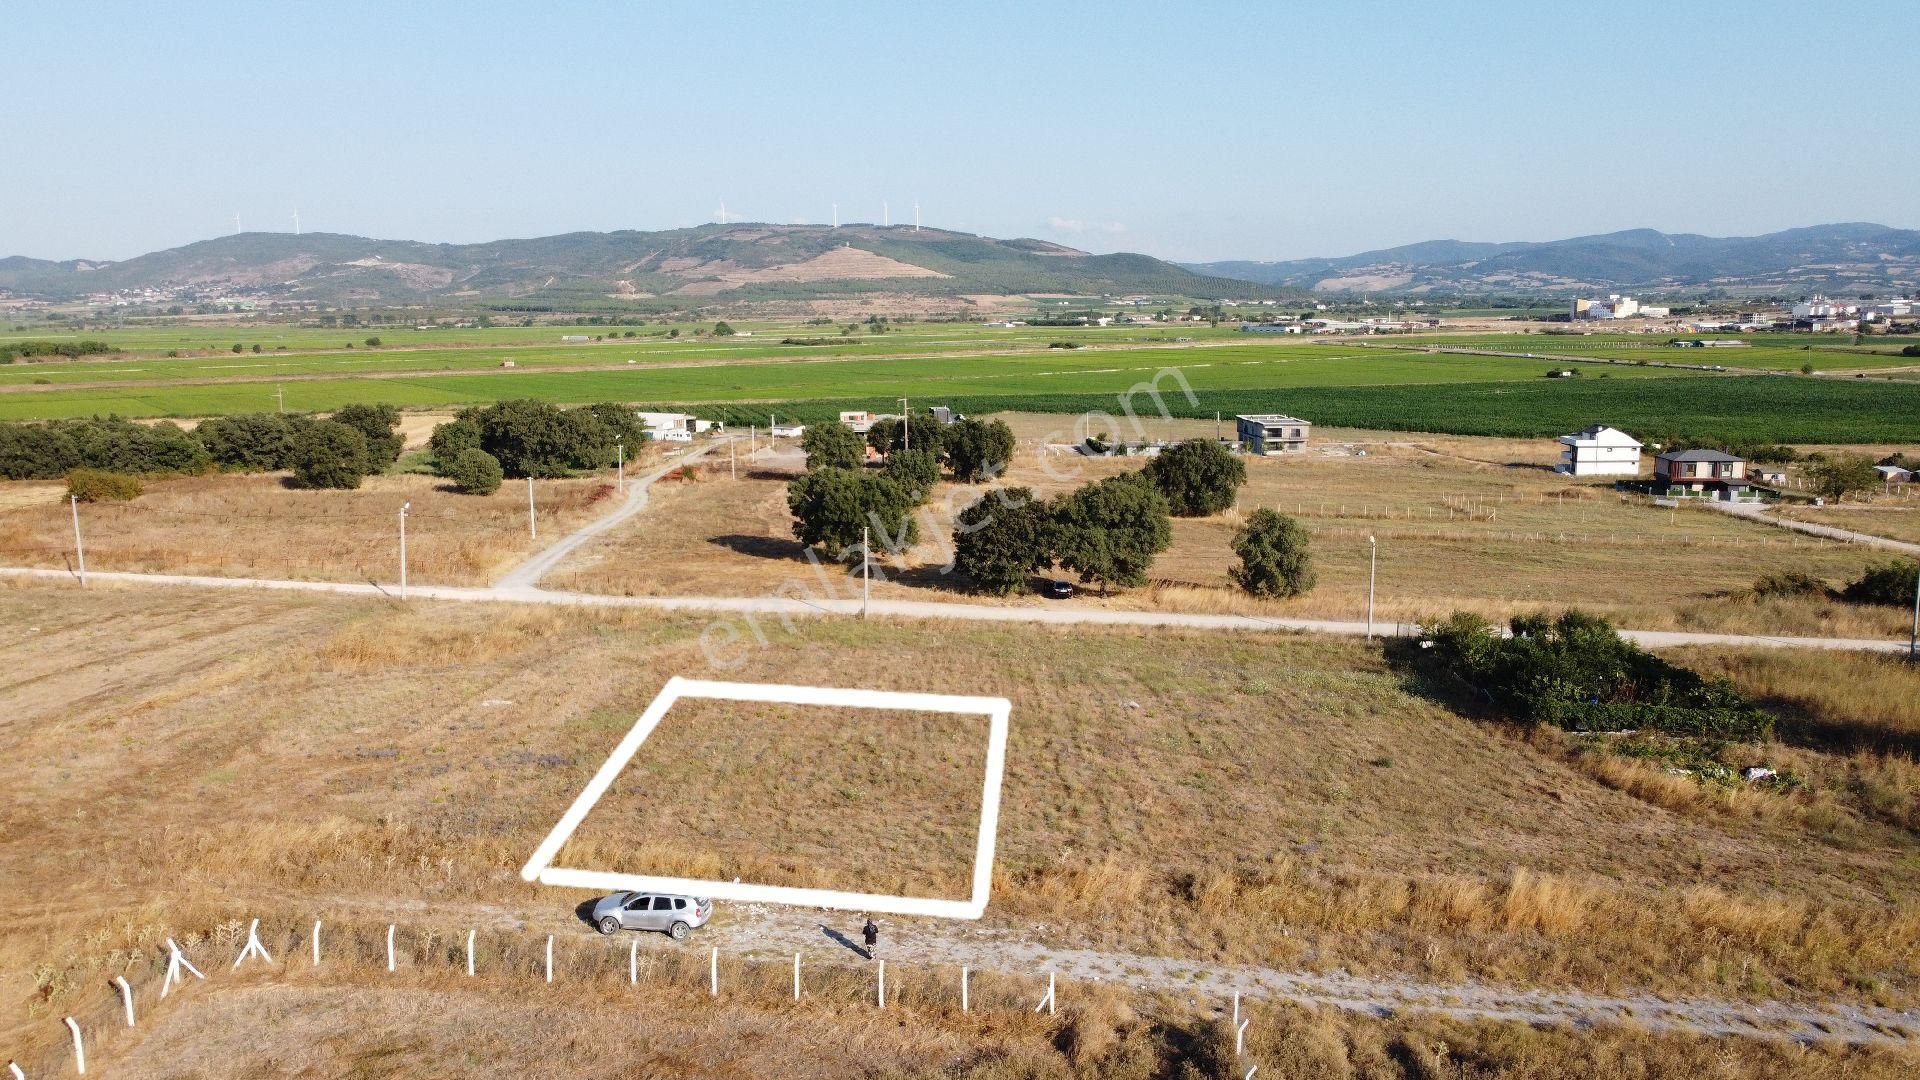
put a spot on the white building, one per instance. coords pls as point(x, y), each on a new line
point(673, 426)
point(1272, 433)
point(1616, 306)
point(1599, 451)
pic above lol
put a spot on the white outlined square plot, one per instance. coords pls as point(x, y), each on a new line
point(997, 710)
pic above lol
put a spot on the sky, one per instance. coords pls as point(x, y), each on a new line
point(1189, 131)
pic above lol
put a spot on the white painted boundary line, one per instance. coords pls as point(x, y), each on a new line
point(998, 710)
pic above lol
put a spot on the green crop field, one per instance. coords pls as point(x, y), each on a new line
point(1768, 352)
point(1041, 371)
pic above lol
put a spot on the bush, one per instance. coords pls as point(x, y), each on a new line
point(1575, 672)
point(377, 423)
point(1003, 538)
point(533, 438)
point(330, 455)
point(978, 450)
point(95, 485)
point(833, 445)
point(1110, 530)
point(37, 451)
point(1910, 350)
point(1789, 583)
point(1890, 584)
point(1199, 477)
point(1273, 555)
point(1843, 474)
point(475, 472)
point(832, 506)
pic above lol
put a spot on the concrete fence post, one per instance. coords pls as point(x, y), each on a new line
point(882, 986)
point(963, 989)
point(633, 962)
point(796, 976)
point(316, 943)
point(79, 1051)
point(713, 973)
point(13, 1070)
point(549, 957)
point(470, 934)
point(126, 996)
point(389, 946)
point(1240, 1036)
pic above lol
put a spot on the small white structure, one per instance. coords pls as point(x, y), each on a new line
point(673, 426)
point(787, 431)
point(1894, 474)
point(861, 422)
point(1599, 451)
point(570, 338)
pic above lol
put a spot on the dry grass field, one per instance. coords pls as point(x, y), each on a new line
point(1270, 800)
point(1893, 520)
point(256, 526)
point(1462, 523)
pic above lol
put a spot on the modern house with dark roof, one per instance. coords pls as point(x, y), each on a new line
point(1700, 472)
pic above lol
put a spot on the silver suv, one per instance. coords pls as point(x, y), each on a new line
point(675, 916)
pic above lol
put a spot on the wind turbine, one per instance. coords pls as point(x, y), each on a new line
point(296, 221)
point(886, 216)
point(916, 215)
point(722, 211)
point(836, 215)
point(236, 223)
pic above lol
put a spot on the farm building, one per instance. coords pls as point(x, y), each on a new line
point(1894, 474)
point(1272, 433)
point(1700, 472)
point(673, 427)
point(1599, 450)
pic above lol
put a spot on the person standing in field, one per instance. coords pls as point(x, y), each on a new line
point(871, 933)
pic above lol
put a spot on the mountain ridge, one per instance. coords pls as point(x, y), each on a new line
point(695, 265)
point(1845, 257)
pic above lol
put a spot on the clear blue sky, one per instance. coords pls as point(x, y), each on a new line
point(1190, 131)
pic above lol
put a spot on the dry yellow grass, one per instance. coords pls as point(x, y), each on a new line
point(256, 526)
point(1270, 800)
point(1895, 520)
point(1473, 524)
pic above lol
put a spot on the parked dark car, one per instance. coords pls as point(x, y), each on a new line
point(1057, 589)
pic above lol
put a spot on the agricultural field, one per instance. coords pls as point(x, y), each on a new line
point(1765, 352)
point(1462, 523)
point(1899, 521)
point(1173, 800)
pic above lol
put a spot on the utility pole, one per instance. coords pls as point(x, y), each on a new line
point(1373, 558)
point(1216, 425)
point(906, 426)
point(753, 443)
point(733, 467)
point(1913, 641)
point(533, 529)
point(620, 463)
point(280, 395)
point(79, 549)
point(403, 549)
point(866, 572)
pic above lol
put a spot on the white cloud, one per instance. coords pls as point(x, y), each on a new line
point(1075, 225)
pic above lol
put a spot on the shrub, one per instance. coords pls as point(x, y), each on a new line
point(1789, 583)
point(96, 485)
point(1575, 672)
point(1910, 350)
point(1199, 477)
point(1110, 530)
point(832, 506)
point(377, 423)
point(920, 432)
point(533, 438)
point(1890, 584)
point(36, 451)
point(1273, 555)
point(978, 450)
point(330, 455)
point(1004, 537)
point(833, 445)
point(475, 472)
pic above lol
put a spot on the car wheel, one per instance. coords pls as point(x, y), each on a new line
point(609, 925)
point(678, 931)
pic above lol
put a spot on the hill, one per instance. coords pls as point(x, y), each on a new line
point(1847, 259)
point(742, 261)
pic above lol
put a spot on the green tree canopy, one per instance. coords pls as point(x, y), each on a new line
point(475, 472)
point(1110, 530)
point(533, 438)
point(919, 432)
point(251, 442)
point(831, 507)
point(978, 450)
point(329, 454)
point(1840, 475)
point(1273, 555)
point(378, 423)
point(915, 470)
point(449, 439)
point(833, 445)
point(1199, 477)
point(1002, 539)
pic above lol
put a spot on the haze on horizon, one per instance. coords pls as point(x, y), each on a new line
point(1227, 131)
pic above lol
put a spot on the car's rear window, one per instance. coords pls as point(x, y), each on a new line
point(679, 904)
